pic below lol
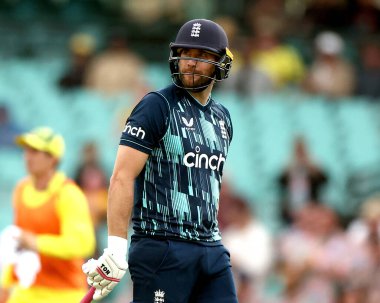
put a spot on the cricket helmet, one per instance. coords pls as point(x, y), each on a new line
point(205, 35)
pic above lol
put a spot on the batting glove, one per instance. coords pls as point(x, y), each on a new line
point(105, 273)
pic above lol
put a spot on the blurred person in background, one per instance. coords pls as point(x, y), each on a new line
point(250, 245)
point(330, 74)
point(270, 55)
point(264, 62)
point(89, 155)
point(366, 227)
point(8, 128)
point(318, 262)
point(364, 233)
point(245, 79)
point(82, 48)
point(43, 251)
point(167, 179)
point(93, 181)
point(116, 69)
point(301, 182)
point(296, 247)
point(368, 72)
point(336, 259)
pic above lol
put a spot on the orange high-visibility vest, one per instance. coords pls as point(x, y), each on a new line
point(55, 273)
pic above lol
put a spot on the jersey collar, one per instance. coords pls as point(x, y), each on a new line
point(197, 103)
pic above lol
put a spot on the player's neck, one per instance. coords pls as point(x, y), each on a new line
point(202, 96)
point(41, 181)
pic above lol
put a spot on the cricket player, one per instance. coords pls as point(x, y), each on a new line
point(167, 178)
point(52, 228)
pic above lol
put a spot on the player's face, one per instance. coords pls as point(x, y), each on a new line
point(194, 73)
point(38, 162)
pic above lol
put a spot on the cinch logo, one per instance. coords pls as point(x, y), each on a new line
point(203, 160)
point(134, 131)
point(196, 30)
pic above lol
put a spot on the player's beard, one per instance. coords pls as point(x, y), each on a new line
point(194, 80)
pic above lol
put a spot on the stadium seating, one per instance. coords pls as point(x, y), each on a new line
point(343, 136)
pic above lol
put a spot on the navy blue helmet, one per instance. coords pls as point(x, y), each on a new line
point(205, 35)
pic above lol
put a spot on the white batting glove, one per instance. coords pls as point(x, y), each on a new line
point(105, 273)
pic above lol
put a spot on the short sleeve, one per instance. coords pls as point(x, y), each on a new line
point(147, 124)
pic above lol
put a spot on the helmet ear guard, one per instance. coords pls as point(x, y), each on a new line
point(224, 65)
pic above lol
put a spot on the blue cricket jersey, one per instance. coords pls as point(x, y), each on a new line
point(177, 192)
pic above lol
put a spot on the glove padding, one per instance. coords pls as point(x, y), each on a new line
point(104, 273)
